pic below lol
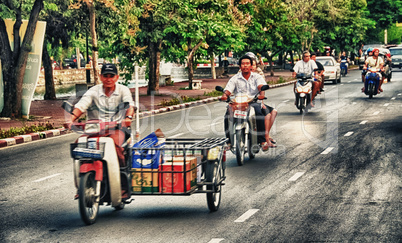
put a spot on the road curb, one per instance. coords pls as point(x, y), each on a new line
point(61, 131)
point(31, 137)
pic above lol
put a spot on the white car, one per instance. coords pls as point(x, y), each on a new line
point(332, 69)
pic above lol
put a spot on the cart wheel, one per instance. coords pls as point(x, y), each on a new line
point(89, 206)
point(214, 175)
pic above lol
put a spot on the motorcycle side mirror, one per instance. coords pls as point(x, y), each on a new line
point(265, 87)
point(67, 106)
point(123, 106)
point(219, 88)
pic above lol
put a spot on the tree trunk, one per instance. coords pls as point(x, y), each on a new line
point(91, 7)
point(271, 67)
point(213, 71)
point(23, 56)
point(153, 66)
point(50, 92)
point(7, 64)
point(190, 62)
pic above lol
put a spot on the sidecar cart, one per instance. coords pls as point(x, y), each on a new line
point(180, 167)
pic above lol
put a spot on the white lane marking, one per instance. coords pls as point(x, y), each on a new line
point(328, 150)
point(348, 134)
point(393, 98)
point(285, 101)
point(216, 240)
point(363, 122)
point(47, 177)
point(354, 103)
point(355, 79)
point(296, 176)
point(341, 84)
point(349, 81)
point(386, 104)
point(246, 215)
point(216, 123)
point(177, 135)
point(399, 94)
point(376, 113)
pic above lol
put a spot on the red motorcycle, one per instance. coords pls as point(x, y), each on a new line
point(97, 173)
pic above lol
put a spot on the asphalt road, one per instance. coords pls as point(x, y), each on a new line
point(335, 176)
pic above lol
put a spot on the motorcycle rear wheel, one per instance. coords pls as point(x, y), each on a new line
point(371, 90)
point(88, 205)
point(240, 147)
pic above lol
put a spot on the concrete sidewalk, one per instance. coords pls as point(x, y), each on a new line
point(50, 111)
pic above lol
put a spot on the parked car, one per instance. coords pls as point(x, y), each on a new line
point(396, 55)
point(332, 68)
point(72, 62)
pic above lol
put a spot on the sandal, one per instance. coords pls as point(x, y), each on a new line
point(265, 146)
point(272, 140)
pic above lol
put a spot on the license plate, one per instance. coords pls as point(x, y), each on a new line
point(240, 114)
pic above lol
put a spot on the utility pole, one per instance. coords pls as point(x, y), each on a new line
point(386, 37)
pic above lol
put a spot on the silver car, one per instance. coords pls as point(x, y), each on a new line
point(332, 69)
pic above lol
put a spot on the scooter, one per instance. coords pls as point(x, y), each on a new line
point(243, 125)
point(303, 91)
point(97, 173)
point(372, 81)
point(344, 67)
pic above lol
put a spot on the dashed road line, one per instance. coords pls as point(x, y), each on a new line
point(399, 94)
point(246, 215)
point(47, 177)
point(296, 176)
point(216, 123)
point(393, 98)
point(376, 113)
point(177, 135)
point(386, 104)
point(354, 103)
point(348, 134)
point(328, 150)
point(285, 101)
point(363, 122)
point(216, 240)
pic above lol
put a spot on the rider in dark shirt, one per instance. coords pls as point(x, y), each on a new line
point(320, 72)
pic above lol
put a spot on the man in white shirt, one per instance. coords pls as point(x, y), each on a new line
point(250, 83)
point(378, 63)
point(101, 102)
point(309, 68)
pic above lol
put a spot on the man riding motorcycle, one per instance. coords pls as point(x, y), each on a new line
point(308, 67)
point(250, 83)
point(320, 72)
point(378, 63)
point(101, 102)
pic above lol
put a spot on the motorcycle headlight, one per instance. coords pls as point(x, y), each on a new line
point(92, 128)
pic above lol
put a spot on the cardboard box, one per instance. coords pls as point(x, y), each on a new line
point(165, 179)
point(145, 180)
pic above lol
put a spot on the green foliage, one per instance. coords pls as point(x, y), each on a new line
point(178, 100)
point(12, 132)
point(214, 93)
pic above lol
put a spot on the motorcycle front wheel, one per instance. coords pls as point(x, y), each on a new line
point(371, 90)
point(89, 206)
point(250, 149)
point(302, 104)
point(240, 147)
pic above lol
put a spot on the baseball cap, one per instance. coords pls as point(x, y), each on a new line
point(109, 68)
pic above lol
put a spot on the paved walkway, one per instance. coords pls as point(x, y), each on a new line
point(50, 111)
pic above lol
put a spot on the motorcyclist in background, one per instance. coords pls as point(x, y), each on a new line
point(346, 61)
point(375, 62)
point(364, 71)
point(308, 67)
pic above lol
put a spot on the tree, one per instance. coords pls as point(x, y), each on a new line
point(14, 60)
